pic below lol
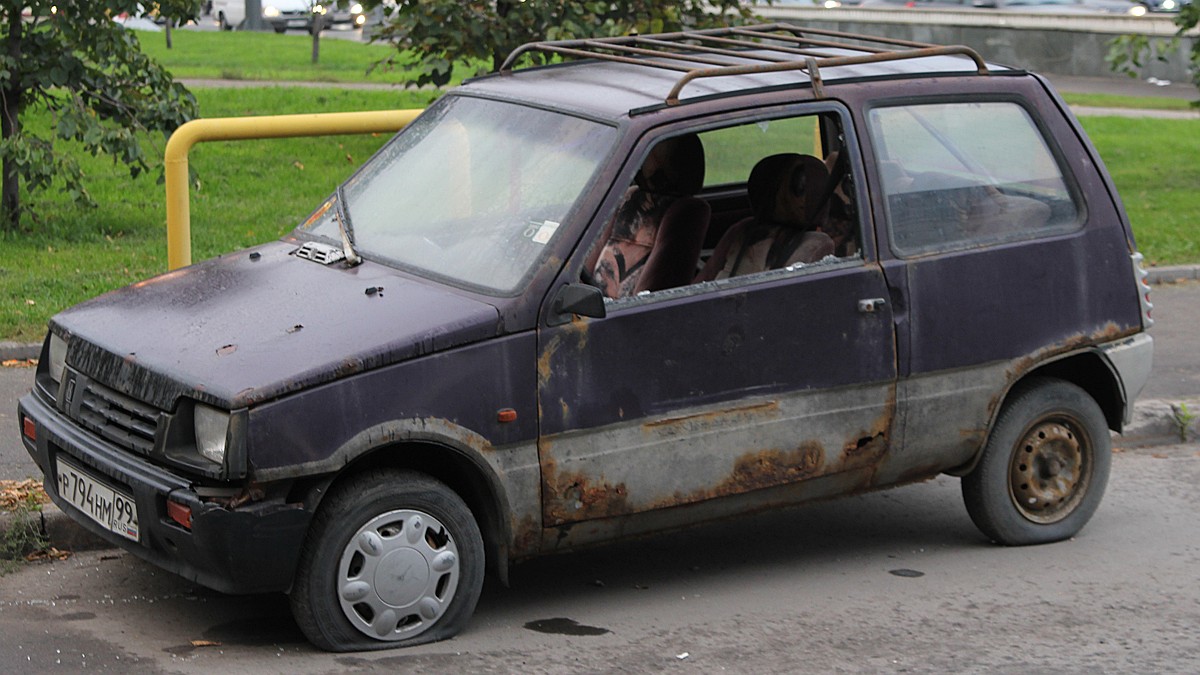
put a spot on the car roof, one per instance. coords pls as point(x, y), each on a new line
point(619, 77)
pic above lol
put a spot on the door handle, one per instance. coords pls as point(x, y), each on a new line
point(871, 305)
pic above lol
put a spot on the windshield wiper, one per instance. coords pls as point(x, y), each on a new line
point(346, 230)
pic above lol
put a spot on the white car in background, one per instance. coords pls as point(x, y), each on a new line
point(285, 14)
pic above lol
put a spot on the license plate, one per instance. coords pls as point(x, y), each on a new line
point(297, 23)
point(111, 508)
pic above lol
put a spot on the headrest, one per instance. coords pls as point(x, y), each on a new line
point(787, 189)
point(674, 167)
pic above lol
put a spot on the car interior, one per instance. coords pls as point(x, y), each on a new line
point(695, 214)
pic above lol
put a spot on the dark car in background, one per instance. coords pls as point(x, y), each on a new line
point(688, 277)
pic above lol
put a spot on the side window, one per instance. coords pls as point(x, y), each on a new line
point(771, 194)
point(956, 174)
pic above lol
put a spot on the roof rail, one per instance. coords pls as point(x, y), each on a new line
point(708, 53)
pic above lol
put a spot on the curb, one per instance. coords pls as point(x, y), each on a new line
point(18, 350)
point(1155, 423)
point(1172, 274)
point(1158, 422)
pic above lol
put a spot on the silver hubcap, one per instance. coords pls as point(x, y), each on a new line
point(398, 574)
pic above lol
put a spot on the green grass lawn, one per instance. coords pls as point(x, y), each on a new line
point(1153, 163)
point(1136, 102)
point(254, 191)
point(223, 55)
point(250, 192)
point(277, 57)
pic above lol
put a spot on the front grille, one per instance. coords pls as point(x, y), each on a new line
point(119, 419)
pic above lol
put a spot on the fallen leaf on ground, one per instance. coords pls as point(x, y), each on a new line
point(205, 643)
point(14, 493)
point(48, 554)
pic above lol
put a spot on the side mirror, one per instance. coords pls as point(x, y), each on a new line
point(578, 299)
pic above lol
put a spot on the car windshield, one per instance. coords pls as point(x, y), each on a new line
point(471, 192)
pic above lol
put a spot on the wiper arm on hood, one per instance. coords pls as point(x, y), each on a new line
point(344, 227)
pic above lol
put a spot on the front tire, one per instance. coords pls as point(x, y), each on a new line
point(393, 559)
point(1044, 468)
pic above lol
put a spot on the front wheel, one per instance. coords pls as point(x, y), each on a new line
point(1044, 468)
point(393, 558)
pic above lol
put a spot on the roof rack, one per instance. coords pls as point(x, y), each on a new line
point(707, 53)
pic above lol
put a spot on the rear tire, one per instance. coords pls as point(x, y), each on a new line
point(393, 559)
point(1044, 468)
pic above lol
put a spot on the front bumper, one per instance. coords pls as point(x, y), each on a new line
point(251, 549)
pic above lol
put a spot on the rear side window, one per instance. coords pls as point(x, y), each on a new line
point(957, 174)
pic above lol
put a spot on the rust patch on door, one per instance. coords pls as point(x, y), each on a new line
point(736, 416)
point(755, 471)
point(573, 335)
point(574, 496)
point(867, 448)
point(769, 468)
point(544, 363)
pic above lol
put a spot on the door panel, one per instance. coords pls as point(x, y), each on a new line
point(714, 391)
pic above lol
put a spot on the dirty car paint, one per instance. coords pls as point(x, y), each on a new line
point(235, 331)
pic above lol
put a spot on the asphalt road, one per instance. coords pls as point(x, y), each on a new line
point(897, 581)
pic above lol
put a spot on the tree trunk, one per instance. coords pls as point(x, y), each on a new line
point(168, 31)
point(500, 52)
point(10, 126)
point(318, 24)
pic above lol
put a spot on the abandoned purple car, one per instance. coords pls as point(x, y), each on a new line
point(668, 279)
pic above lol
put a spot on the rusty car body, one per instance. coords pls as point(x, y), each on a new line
point(425, 377)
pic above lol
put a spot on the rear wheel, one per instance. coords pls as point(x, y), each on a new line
point(394, 558)
point(1044, 468)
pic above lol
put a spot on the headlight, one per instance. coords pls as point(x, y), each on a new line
point(356, 8)
point(270, 11)
point(318, 9)
point(1168, 4)
point(212, 430)
point(1137, 10)
point(58, 357)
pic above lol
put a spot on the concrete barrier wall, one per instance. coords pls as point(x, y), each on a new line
point(1059, 45)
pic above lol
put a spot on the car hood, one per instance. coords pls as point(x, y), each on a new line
point(255, 325)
